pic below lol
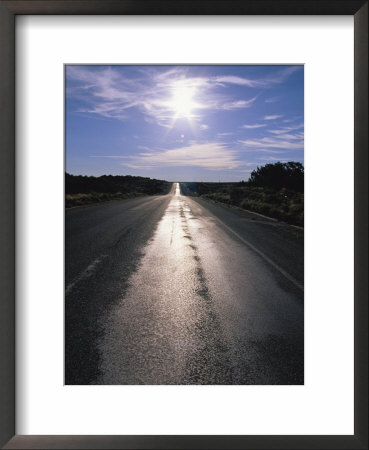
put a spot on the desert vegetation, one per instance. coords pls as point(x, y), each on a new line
point(275, 190)
point(82, 190)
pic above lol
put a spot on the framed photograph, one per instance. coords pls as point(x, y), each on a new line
point(156, 212)
point(184, 224)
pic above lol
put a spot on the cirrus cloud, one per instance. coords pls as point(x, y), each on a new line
point(211, 156)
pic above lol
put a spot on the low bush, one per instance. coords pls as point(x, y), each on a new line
point(281, 204)
point(84, 190)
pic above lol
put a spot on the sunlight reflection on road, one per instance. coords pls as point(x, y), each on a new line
point(200, 309)
point(151, 337)
point(178, 191)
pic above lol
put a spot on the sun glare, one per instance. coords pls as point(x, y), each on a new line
point(182, 101)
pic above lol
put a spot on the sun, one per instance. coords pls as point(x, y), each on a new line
point(183, 102)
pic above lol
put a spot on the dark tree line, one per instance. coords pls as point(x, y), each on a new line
point(109, 184)
point(288, 175)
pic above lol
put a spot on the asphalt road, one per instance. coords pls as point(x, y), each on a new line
point(178, 290)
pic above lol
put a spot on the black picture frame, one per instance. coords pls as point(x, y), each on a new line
point(8, 11)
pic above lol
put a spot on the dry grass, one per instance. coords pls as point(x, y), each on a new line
point(72, 200)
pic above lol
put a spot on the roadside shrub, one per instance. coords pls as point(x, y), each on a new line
point(289, 175)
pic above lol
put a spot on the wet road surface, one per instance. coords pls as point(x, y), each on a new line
point(177, 290)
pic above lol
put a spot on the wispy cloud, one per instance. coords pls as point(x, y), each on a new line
point(107, 92)
point(203, 126)
point(251, 127)
point(231, 79)
point(211, 156)
point(283, 142)
point(237, 104)
point(287, 129)
point(273, 117)
point(291, 137)
point(109, 156)
point(273, 158)
point(292, 119)
point(279, 77)
point(263, 150)
point(224, 134)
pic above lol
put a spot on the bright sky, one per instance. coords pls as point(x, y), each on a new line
point(183, 123)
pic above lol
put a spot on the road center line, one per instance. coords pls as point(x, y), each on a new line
point(266, 258)
point(85, 274)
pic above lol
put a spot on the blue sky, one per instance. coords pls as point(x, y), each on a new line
point(183, 123)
